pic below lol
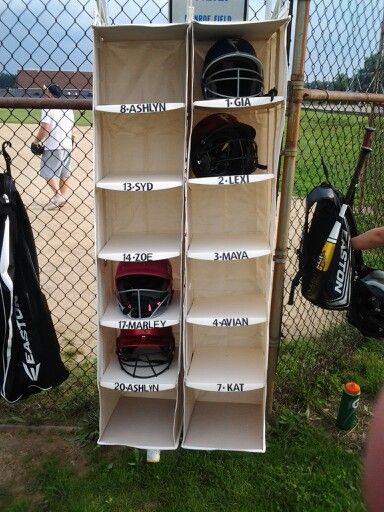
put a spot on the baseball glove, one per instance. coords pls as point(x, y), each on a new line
point(37, 149)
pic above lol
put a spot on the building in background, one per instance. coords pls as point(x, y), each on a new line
point(29, 82)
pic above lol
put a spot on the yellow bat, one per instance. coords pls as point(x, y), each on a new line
point(328, 250)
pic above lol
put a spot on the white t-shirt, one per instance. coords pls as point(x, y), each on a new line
point(60, 128)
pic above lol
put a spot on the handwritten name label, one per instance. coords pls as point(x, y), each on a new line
point(141, 324)
point(136, 388)
point(238, 102)
point(137, 186)
point(231, 255)
point(230, 322)
point(143, 108)
point(230, 387)
point(233, 180)
point(137, 256)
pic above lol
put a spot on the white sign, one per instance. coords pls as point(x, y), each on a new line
point(214, 11)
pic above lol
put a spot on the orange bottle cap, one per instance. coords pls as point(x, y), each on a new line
point(352, 388)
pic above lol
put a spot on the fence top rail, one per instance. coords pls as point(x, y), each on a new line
point(352, 97)
point(26, 102)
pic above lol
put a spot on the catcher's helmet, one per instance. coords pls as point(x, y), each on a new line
point(231, 69)
point(145, 353)
point(144, 289)
point(222, 146)
point(366, 310)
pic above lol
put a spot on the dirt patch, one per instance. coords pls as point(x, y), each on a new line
point(21, 455)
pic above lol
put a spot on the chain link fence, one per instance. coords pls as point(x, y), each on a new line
point(45, 41)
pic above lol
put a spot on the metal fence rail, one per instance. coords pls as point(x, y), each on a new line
point(54, 37)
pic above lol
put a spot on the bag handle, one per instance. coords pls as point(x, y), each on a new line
point(6, 156)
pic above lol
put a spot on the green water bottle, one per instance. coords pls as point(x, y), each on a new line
point(346, 417)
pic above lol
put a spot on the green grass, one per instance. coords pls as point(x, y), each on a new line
point(303, 470)
point(64, 405)
point(33, 116)
point(309, 465)
point(311, 372)
point(337, 138)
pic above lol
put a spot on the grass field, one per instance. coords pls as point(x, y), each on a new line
point(33, 116)
point(309, 466)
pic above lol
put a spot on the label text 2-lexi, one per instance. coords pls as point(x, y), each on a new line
point(142, 108)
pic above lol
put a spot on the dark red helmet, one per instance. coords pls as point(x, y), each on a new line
point(145, 353)
point(222, 146)
point(144, 289)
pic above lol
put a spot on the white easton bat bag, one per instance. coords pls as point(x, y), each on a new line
point(29, 350)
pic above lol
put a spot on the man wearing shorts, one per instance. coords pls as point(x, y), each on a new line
point(55, 132)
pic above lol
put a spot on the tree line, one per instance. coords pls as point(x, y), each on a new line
point(362, 81)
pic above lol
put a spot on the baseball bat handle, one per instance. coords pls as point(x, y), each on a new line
point(367, 140)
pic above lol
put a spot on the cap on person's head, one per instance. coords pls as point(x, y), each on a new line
point(54, 89)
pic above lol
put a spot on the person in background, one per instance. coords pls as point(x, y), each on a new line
point(373, 457)
point(54, 142)
point(372, 239)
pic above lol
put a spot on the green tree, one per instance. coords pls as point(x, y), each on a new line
point(341, 82)
point(7, 80)
point(364, 78)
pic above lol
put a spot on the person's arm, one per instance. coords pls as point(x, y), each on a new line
point(42, 133)
point(371, 239)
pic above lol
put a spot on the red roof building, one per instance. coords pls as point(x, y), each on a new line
point(67, 80)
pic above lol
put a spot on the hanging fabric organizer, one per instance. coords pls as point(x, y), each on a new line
point(217, 232)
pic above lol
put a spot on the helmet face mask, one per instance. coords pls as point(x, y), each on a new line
point(145, 353)
point(144, 290)
point(221, 146)
point(231, 69)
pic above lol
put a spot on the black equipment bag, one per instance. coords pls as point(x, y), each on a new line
point(366, 310)
point(330, 289)
point(30, 352)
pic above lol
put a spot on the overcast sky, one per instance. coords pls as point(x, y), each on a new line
point(52, 34)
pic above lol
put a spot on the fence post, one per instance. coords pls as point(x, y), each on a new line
point(295, 96)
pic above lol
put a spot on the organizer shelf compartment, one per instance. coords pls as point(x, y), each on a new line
point(233, 212)
point(267, 38)
point(226, 369)
point(141, 247)
point(226, 359)
point(140, 64)
point(114, 318)
point(134, 146)
point(116, 378)
point(268, 122)
point(139, 420)
point(234, 311)
point(223, 248)
point(224, 421)
point(138, 227)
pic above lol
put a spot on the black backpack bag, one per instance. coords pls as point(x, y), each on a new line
point(329, 289)
point(30, 352)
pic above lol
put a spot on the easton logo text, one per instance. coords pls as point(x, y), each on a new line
point(30, 367)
